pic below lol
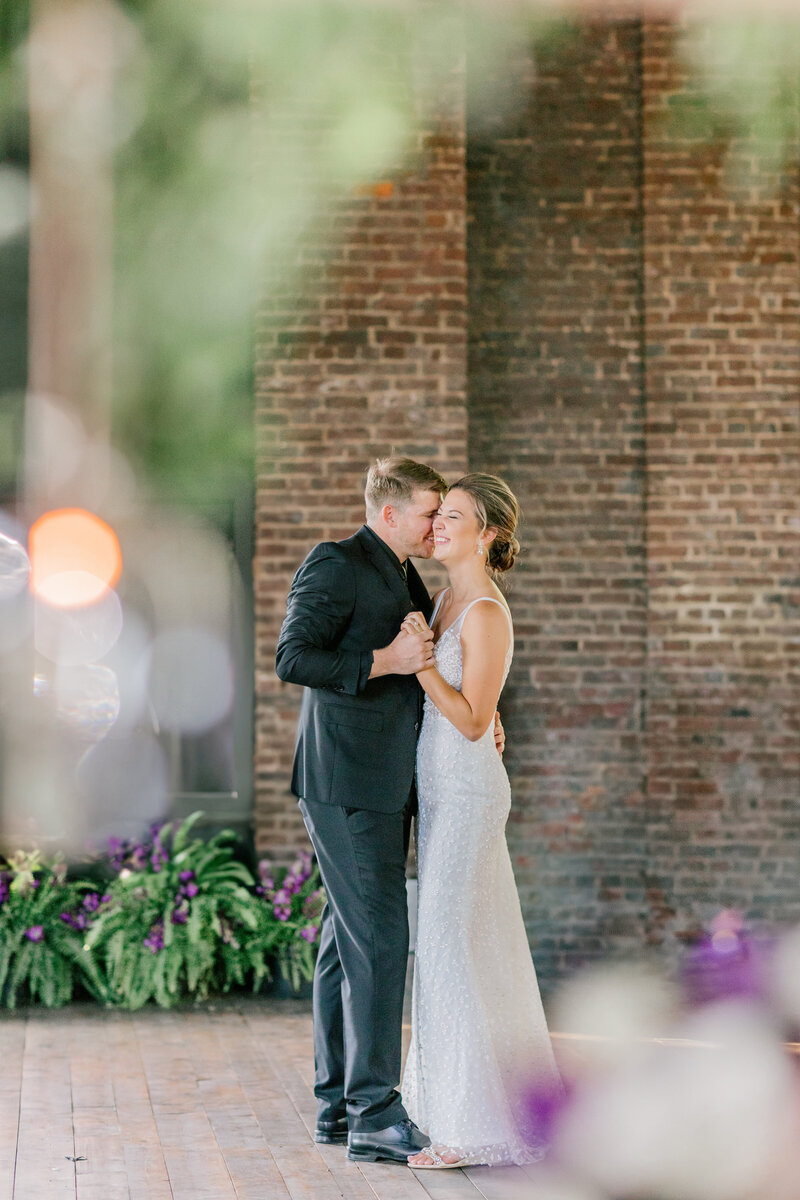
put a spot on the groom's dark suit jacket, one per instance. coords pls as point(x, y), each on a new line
point(356, 741)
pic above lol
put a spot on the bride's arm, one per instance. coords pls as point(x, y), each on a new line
point(484, 642)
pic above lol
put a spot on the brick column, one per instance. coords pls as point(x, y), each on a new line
point(365, 353)
point(723, 531)
point(555, 406)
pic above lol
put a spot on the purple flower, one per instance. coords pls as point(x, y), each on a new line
point(137, 859)
point(282, 906)
point(116, 852)
point(159, 855)
point(35, 933)
point(185, 876)
point(301, 869)
point(132, 855)
point(180, 914)
point(314, 904)
point(4, 888)
point(726, 963)
point(190, 889)
point(266, 887)
point(155, 938)
point(75, 922)
point(310, 934)
point(82, 919)
point(544, 1104)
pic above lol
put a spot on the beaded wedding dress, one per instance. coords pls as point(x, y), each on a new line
point(479, 1036)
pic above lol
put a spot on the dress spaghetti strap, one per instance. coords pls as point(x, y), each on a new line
point(492, 600)
point(436, 605)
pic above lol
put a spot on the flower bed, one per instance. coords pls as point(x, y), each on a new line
point(179, 917)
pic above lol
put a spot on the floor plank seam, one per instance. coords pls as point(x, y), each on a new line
point(19, 1111)
point(140, 1059)
point(214, 1033)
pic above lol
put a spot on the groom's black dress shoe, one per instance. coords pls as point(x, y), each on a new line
point(396, 1142)
point(331, 1133)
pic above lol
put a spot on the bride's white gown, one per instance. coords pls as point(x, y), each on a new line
point(479, 1034)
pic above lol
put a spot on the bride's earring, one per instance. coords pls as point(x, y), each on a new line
point(479, 550)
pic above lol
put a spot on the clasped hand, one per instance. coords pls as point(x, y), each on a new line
point(413, 646)
point(415, 626)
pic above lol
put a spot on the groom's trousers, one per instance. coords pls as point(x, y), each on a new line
point(361, 966)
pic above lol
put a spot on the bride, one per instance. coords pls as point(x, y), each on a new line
point(479, 1034)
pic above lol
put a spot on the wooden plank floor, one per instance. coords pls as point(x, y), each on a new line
point(209, 1103)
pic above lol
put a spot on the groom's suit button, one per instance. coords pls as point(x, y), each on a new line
point(416, 724)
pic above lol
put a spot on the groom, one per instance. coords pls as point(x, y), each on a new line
point(354, 776)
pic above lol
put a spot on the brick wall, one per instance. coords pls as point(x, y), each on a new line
point(626, 355)
point(555, 406)
point(722, 304)
point(364, 352)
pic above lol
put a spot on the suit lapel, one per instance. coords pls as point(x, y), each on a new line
point(390, 575)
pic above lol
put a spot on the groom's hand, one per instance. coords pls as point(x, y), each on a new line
point(499, 734)
point(411, 651)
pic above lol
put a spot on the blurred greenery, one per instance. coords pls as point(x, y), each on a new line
point(247, 123)
point(237, 125)
point(745, 72)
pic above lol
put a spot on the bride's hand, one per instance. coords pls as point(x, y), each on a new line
point(415, 623)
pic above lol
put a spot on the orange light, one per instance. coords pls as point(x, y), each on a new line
point(383, 189)
point(74, 556)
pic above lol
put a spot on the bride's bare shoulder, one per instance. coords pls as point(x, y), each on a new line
point(486, 618)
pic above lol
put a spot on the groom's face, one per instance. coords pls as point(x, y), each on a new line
point(414, 524)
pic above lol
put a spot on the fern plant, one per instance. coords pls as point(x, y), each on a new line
point(288, 916)
point(39, 950)
point(170, 926)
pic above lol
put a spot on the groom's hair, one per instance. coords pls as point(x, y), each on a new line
point(394, 480)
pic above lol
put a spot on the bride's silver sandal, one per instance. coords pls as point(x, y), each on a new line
point(438, 1163)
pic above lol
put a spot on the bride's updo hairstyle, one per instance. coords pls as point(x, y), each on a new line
point(496, 507)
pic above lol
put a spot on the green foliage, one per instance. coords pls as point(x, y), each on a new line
point(237, 126)
point(180, 918)
point(38, 949)
point(287, 920)
point(169, 930)
point(743, 88)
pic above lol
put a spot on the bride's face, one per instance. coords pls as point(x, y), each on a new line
point(456, 529)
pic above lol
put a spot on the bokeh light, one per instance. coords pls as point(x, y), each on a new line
point(15, 567)
point(123, 784)
point(75, 558)
point(130, 662)
point(191, 679)
point(87, 699)
point(709, 1117)
point(78, 634)
point(612, 1011)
